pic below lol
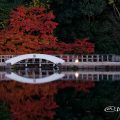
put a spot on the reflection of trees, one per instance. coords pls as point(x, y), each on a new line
point(4, 112)
point(88, 105)
point(63, 100)
point(36, 102)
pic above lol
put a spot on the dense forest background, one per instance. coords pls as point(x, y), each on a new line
point(98, 20)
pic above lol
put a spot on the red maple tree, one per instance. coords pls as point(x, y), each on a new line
point(31, 29)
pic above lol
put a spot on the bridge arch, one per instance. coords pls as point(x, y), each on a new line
point(53, 77)
point(19, 58)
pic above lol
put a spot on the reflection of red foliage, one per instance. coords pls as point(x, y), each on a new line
point(36, 102)
point(79, 86)
point(31, 30)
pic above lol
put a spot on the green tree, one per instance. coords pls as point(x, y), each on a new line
point(94, 19)
point(75, 17)
point(4, 111)
point(6, 6)
point(115, 8)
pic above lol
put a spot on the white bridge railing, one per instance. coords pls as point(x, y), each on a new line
point(71, 58)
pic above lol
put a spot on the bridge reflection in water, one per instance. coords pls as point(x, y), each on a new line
point(37, 76)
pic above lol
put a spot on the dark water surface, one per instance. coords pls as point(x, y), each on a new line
point(35, 94)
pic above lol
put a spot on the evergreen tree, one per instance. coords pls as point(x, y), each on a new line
point(94, 19)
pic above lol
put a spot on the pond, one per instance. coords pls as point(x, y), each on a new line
point(35, 94)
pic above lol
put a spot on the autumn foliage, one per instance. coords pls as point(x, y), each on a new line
point(36, 102)
point(31, 30)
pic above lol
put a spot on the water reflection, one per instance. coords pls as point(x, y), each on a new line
point(35, 76)
point(77, 95)
point(92, 75)
point(34, 80)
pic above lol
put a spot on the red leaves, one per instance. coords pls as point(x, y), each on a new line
point(32, 20)
point(83, 46)
point(31, 30)
point(33, 102)
point(78, 47)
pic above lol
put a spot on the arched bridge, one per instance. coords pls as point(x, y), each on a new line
point(16, 77)
point(53, 59)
